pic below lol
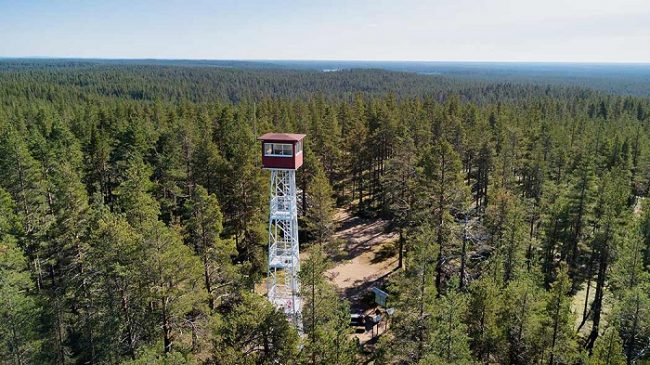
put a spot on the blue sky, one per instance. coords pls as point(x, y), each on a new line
point(434, 30)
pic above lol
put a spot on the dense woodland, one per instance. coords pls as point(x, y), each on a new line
point(133, 216)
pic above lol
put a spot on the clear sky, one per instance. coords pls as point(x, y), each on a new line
point(434, 30)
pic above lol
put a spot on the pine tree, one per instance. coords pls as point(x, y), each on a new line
point(484, 165)
point(203, 228)
point(65, 251)
point(520, 321)
point(556, 229)
point(172, 168)
point(627, 269)
point(170, 270)
point(132, 195)
point(118, 287)
point(579, 205)
point(253, 332)
point(328, 337)
point(207, 165)
point(414, 294)
point(21, 176)
point(504, 221)
point(484, 307)
point(149, 356)
point(19, 310)
point(608, 349)
point(355, 151)
point(325, 135)
point(400, 184)
point(557, 328)
point(171, 273)
point(445, 192)
point(632, 318)
point(644, 227)
point(320, 212)
point(449, 342)
point(97, 152)
point(611, 206)
point(241, 195)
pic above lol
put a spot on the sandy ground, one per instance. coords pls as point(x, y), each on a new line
point(578, 302)
point(577, 307)
point(365, 256)
point(638, 205)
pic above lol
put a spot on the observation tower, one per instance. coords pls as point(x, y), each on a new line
point(282, 155)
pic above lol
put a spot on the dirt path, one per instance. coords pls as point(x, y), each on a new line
point(366, 255)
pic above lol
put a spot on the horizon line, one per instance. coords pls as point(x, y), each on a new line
point(644, 63)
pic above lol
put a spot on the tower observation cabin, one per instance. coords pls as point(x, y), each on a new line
point(282, 150)
point(282, 156)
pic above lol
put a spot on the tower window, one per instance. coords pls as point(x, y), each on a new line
point(278, 150)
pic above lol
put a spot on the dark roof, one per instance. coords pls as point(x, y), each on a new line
point(289, 137)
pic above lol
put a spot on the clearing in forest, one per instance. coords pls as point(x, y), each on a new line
point(365, 256)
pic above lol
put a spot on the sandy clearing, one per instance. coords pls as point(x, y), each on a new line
point(361, 262)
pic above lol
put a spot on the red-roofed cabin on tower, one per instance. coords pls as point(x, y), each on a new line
point(282, 150)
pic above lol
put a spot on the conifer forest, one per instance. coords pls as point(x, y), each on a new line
point(134, 214)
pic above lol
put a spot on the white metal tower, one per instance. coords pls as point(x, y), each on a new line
point(282, 156)
point(284, 254)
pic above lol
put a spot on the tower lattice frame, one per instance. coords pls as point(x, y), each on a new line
point(284, 254)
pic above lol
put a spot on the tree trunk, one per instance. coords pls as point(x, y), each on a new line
point(167, 340)
point(514, 348)
point(420, 324)
point(555, 328)
point(206, 275)
point(440, 240)
point(130, 339)
point(597, 305)
point(629, 344)
point(400, 261)
point(577, 232)
point(463, 257)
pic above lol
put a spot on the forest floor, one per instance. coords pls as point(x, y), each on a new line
point(366, 255)
point(578, 302)
point(577, 308)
